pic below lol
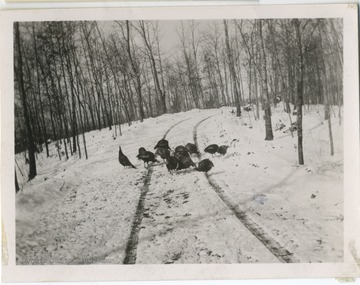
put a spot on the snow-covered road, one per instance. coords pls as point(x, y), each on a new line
point(97, 216)
point(186, 221)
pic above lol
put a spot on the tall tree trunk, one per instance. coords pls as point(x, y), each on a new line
point(268, 128)
point(20, 78)
point(90, 61)
point(64, 115)
point(228, 99)
point(47, 92)
point(107, 117)
point(73, 99)
point(145, 36)
point(161, 73)
point(330, 133)
point(91, 75)
point(80, 112)
point(136, 73)
point(149, 95)
point(232, 70)
point(218, 69)
point(115, 77)
point(300, 68)
point(326, 95)
point(255, 72)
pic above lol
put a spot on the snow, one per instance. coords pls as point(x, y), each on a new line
point(299, 206)
point(82, 211)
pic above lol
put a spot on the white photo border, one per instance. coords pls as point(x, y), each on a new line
point(351, 265)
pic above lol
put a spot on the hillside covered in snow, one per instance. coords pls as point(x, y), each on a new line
point(255, 205)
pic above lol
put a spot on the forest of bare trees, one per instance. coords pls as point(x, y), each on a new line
point(74, 77)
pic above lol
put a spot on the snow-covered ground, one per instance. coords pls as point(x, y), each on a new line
point(82, 211)
point(301, 207)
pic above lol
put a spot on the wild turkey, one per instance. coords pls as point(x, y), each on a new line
point(205, 165)
point(213, 148)
point(192, 148)
point(181, 148)
point(180, 154)
point(223, 149)
point(164, 153)
point(163, 143)
point(124, 161)
point(142, 150)
point(147, 157)
point(172, 163)
point(185, 162)
point(181, 151)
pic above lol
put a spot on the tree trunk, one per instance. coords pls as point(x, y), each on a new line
point(232, 70)
point(80, 115)
point(330, 133)
point(162, 73)
point(115, 78)
point(327, 99)
point(19, 71)
point(153, 65)
point(269, 133)
point(136, 73)
point(300, 67)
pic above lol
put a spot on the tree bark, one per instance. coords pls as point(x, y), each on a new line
point(232, 70)
point(300, 67)
point(20, 78)
point(136, 72)
point(268, 127)
point(143, 32)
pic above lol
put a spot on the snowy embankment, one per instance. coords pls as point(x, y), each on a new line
point(301, 207)
point(82, 211)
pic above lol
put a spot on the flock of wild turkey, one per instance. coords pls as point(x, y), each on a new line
point(175, 160)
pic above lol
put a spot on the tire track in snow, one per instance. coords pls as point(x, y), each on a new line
point(131, 246)
point(272, 245)
point(173, 126)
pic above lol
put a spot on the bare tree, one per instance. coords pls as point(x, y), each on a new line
point(267, 110)
point(300, 88)
point(326, 89)
point(135, 68)
point(232, 69)
point(20, 78)
point(145, 34)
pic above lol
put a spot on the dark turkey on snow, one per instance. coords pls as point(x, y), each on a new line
point(192, 148)
point(213, 148)
point(142, 150)
point(180, 154)
point(222, 149)
point(164, 153)
point(185, 162)
point(181, 151)
point(181, 148)
point(147, 157)
point(205, 165)
point(163, 143)
point(124, 161)
point(172, 163)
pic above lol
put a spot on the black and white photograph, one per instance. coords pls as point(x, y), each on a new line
point(141, 141)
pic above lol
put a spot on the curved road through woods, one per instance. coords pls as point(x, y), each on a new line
point(131, 247)
point(107, 214)
point(186, 221)
point(272, 245)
